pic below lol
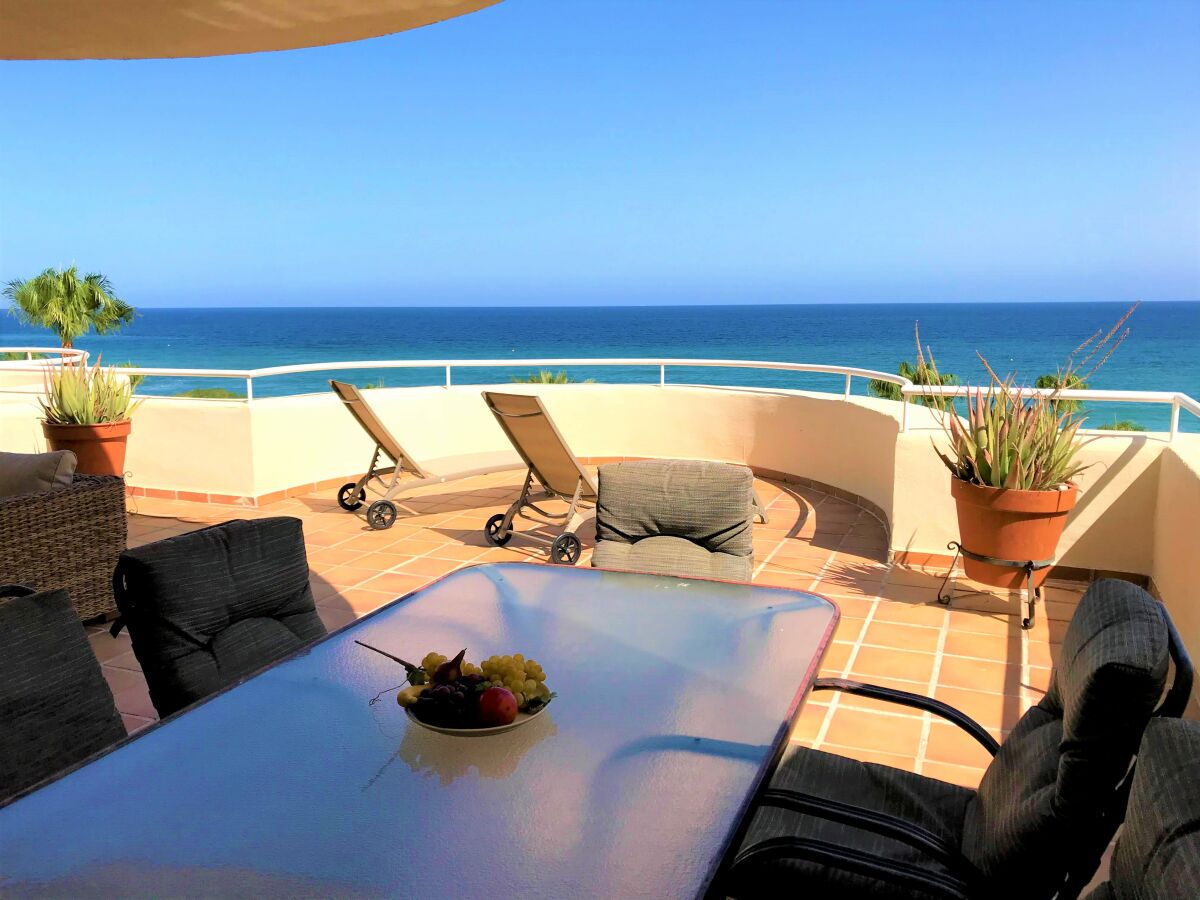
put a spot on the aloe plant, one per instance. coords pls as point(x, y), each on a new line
point(1022, 438)
point(77, 395)
point(545, 376)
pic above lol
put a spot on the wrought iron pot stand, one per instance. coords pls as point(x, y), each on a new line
point(1032, 594)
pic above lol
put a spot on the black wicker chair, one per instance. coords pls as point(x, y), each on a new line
point(56, 709)
point(1048, 805)
point(209, 608)
point(1158, 853)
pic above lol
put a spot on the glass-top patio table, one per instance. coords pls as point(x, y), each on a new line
point(674, 701)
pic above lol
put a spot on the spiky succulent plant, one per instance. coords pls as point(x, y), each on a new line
point(77, 395)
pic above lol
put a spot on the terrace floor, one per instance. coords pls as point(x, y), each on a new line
point(892, 631)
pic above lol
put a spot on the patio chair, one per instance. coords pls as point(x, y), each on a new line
point(56, 709)
point(210, 608)
point(1048, 804)
point(382, 513)
point(1157, 856)
point(551, 463)
point(59, 529)
point(676, 517)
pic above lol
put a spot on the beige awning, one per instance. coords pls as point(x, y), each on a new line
point(155, 29)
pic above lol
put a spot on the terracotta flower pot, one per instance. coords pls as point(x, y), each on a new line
point(100, 449)
point(1009, 524)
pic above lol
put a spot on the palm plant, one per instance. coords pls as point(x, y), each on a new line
point(924, 373)
point(67, 304)
point(545, 376)
point(1063, 381)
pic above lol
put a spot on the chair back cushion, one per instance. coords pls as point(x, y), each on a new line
point(1158, 854)
point(206, 609)
point(708, 503)
point(32, 473)
point(1045, 806)
point(55, 707)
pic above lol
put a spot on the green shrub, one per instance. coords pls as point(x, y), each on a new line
point(212, 394)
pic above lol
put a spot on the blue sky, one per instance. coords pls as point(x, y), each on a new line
point(549, 151)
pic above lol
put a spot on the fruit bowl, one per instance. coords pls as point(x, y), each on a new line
point(522, 718)
point(453, 696)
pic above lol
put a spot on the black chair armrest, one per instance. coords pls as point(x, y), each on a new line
point(897, 829)
point(922, 882)
point(915, 701)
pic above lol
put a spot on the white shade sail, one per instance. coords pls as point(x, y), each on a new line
point(155, 29)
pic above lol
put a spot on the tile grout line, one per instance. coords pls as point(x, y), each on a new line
point(927, 718)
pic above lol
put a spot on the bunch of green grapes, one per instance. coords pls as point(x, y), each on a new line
point(431, 662)
point(525, 678)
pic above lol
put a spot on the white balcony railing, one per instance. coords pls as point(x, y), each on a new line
point(1177, 401)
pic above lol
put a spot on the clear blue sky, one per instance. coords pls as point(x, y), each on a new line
point(632, 151)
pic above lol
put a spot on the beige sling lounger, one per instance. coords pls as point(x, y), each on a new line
point(552, 465)
point(382, 512)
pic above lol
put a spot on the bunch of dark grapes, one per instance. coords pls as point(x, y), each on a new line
point(451, 705)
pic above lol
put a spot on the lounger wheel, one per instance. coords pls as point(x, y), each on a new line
point(491, 531)
point(381, 514)
point(346, 492)
point(565, 550)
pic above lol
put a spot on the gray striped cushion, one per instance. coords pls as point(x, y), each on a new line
point(1158, 853)
point(708, 503)
point(208, 608)
point(55, 707)
point(935, 805)
point(671, 556)
point(1039, 804)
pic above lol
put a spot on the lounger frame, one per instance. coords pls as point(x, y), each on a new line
point(564, 545)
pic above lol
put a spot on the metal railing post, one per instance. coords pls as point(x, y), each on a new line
point(249, 389)
point(903, 413)
point(447, 376)
point(1174, 419)
point(846, 393)
point(662, 375)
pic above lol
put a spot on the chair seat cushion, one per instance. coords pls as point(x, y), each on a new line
point(937, 806)
point(32, 473)
point(664, 555)
point(56, 709)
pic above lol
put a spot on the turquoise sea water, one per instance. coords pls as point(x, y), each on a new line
point(1161, 353)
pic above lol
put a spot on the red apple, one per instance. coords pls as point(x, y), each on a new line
point(497, 706)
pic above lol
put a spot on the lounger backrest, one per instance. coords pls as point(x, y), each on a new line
point(533, 435)
point(365, 416)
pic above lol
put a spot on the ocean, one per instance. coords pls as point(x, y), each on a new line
point(1162, 351)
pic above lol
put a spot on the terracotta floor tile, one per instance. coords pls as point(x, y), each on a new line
point(812, 717)
point(872, 731)
point(107, 647)
point(998, 648)
point(988, 709)
point(361, 601)
point(980, 675)
point(881, 758)
point(336, 619)
point(431, 566)
point(836, 657)
point(964, 620)
point(950, 744)
point(855, 607)
point(911, 613)
point(395, 583)
point(903, 637)
point(893, 663)
point(346, 576)
point(849, 629)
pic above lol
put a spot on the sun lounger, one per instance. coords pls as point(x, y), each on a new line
point(552, 465)
point(382, 513)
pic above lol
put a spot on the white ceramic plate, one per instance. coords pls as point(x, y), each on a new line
point(521, 719)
